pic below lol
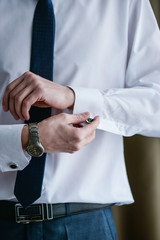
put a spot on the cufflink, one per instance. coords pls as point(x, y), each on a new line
point(13, 165)
point(89, 120)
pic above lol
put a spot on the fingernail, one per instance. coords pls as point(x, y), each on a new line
point(87, 113)
point(4, 108)
point(16, 118)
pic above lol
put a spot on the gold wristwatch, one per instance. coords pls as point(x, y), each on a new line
point(34, 147)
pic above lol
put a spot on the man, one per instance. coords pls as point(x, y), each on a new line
point(106, 64)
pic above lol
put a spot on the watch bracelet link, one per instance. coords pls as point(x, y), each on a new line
point(33, 130)
point(34, 147)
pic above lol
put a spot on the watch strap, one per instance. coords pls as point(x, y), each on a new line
point(33, 133)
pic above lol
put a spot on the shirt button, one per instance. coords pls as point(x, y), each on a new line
point(13, 165)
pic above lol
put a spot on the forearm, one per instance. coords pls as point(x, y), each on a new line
point(25, 137)
point(37, 91)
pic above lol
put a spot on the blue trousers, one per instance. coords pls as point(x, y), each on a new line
point(93, 225)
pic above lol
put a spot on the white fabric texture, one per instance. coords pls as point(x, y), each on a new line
point(109, 53)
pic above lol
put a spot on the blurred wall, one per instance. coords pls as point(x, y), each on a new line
point(141, 220)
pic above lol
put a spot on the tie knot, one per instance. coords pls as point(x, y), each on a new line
point(46, 1)
point(45, 4)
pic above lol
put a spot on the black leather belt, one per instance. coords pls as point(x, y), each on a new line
point(39, 212)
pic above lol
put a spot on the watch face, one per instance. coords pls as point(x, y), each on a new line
point(35, 151)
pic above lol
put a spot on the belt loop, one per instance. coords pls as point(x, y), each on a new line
point(49, 211)
point(67, 205)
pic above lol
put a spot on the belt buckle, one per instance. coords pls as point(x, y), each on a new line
point(22, 217)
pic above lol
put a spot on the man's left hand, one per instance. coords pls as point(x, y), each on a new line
point(31, 89)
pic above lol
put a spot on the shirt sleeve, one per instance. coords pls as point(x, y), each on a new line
point(12, 156)
point(134, 109)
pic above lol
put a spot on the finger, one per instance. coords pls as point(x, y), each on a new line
point(28, 102)
point(19, 99)
point(12, 108)
point(84, 135)
point(89, 139)
point(79, 143)
point(9, 88)
point(89, 128)
point(15, 99)
point(78, 118)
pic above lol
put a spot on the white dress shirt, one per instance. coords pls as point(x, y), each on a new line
point(108, 51)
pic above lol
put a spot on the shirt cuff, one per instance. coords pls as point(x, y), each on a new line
point(87, 99)
point(91, 100)
point(12, 156)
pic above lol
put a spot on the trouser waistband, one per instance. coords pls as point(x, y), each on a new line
point(40, 212)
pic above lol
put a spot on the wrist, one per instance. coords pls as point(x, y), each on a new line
point(42, 135)
point(70, 97)
point(25, 137)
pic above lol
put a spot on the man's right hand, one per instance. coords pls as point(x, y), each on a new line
point(59, 134)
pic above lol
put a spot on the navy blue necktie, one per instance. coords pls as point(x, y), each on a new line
point(29, 181)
